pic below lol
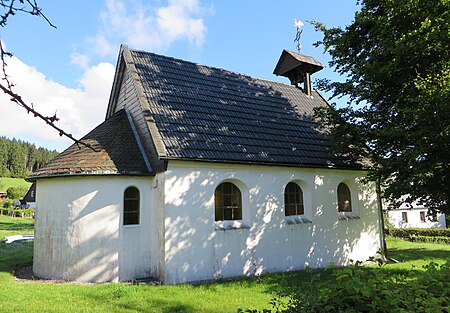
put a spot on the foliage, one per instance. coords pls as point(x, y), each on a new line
point(395, 60)
point(436, 239)
point(357, 289)
point(19, 213)
point(15, 193)
point(430, 235)
point(19, 158)
point(7, 203)
point(408, 232)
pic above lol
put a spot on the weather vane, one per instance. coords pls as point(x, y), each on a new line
point(299, 25)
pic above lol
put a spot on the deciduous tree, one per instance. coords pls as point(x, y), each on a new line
point(395, 62)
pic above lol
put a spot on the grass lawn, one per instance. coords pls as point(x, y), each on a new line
point(414, 255)
point(6, 182)
point(39, 296)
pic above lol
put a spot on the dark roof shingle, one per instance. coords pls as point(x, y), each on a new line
point(117, 153)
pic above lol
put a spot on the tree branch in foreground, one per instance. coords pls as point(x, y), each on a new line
point(8, 9)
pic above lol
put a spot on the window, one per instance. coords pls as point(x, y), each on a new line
point(344, 198)
point(293, 200)
point(131, 201)
point(405, 217)
point(228, 202)
point(423, 217)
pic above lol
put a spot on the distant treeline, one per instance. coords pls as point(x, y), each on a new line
point(19, 158)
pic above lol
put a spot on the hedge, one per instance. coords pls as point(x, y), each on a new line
point(18, 212)
point(430, 239)
point(426, 232)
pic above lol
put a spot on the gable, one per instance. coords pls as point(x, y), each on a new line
point(127, 93)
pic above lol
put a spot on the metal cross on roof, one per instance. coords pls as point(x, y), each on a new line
point(299, 25)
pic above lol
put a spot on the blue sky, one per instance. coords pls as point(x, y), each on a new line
point(70, 69)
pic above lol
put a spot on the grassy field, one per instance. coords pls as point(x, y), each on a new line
point(6, 182)
point(414, 255)
point(39, 296)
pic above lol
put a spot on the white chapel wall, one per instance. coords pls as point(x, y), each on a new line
point(79, 233)
point(197, 249)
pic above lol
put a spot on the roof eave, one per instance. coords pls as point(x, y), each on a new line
point(243, 162)
point(88, 173)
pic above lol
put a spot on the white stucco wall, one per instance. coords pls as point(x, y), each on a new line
point(196, 250)
point(79, 233)
point(413, 214)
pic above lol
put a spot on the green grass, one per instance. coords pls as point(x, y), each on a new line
point(39, 296)
point(6, 182)
point(15, 226)
point(415, 254)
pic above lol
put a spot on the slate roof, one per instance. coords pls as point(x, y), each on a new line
point(200, 113)
point(210, 114)
point(117, 153)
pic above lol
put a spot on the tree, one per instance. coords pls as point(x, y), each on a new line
point(19, 158)
point(15, 193)
point(395, 60)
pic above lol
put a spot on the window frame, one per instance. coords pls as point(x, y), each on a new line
point(344, 194)
point(234, 198)
point(243, 223)
point(299, 201)
point(423, 216)
point(127, 201)
point(351, 195)
point(307, 215)
point(404, 217)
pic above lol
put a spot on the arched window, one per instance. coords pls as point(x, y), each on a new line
point(344, 198)
point(228, 202)
point(293, 200)
point(131, 202)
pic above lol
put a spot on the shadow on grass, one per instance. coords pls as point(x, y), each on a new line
point(16, 224)
point(14, 255)
point(313, 280)
point(130, 298)
point(414, 254)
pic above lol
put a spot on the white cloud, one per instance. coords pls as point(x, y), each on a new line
point(79, 59)
point(175, 21)
point(79, 110)
point(144, 27)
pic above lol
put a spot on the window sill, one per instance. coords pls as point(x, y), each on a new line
point(348, 216)
point(131, 225)
point(292, 220)
point(229, 225)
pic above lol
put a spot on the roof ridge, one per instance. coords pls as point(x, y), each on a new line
point(212, 67)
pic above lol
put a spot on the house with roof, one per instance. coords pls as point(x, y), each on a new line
point(199, 173)
point(415, 215)
point(29, 199)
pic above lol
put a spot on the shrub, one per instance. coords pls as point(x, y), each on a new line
point(26, 212)
point(16, 192)
point(409, 232)
point(357, 289)
point(7, 204)
point(429, 239)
